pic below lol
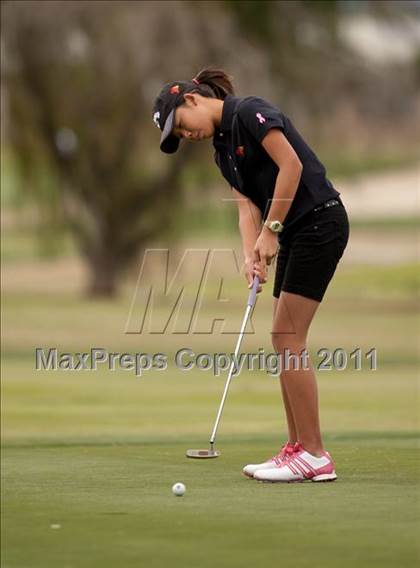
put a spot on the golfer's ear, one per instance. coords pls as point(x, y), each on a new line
point(190, 98)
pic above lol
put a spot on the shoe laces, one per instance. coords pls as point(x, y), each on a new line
point(291, 452)
point(297, 447)
point(285, 453)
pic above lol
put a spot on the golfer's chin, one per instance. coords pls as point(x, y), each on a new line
point(208, 135)
point(202, 138)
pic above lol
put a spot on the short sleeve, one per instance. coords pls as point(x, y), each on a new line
point(259, 116)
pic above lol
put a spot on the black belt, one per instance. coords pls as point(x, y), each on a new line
point(329, 203)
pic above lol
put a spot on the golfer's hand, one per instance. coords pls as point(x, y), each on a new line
point(250, 265)
point(265, 251)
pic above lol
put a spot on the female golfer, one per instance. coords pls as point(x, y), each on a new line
point(284, 198)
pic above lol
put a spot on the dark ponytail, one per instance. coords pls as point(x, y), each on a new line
point(214, 83)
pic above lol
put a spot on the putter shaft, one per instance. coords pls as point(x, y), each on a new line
point(251, 302)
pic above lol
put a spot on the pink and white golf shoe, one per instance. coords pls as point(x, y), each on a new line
point(299, 465)
point(275, 461)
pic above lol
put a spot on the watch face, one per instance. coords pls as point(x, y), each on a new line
point(275, 225)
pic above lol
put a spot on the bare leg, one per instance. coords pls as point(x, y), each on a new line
point(289, 415)
point(293, 316)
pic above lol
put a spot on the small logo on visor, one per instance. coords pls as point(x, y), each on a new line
point(156, 117)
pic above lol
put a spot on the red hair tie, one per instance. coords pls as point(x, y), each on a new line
point(195, 81)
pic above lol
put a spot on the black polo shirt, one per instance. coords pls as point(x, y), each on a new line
point(247, 167)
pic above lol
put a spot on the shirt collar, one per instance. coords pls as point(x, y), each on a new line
point(229, 105)
point(228, 109)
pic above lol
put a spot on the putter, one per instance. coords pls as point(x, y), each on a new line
point(211, 452)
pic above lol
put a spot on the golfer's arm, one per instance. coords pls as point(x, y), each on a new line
point(249, 223)
point(290, 168)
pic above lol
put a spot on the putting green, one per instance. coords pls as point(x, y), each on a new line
point(89, 459)
point(111, 505)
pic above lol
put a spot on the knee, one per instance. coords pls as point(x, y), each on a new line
point(294, 342)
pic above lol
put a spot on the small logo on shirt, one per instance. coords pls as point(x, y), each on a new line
point(260, 117)
point(240, 151)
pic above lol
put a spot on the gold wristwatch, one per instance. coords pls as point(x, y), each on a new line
point(274, 226)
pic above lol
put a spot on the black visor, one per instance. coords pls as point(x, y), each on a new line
point(171, 97)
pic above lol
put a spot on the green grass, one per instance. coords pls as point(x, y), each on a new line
point(104, 406)
point(115, 508)
point(97, 452)
point(379, 282)
point(358, 161)
point(394, 224)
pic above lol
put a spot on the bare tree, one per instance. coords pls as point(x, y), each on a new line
point(81, 79)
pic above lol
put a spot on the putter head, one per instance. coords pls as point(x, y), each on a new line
point(202, 454)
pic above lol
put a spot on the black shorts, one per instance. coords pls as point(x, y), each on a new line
point(307, 260)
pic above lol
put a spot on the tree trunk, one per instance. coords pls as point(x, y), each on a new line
point(103, 276)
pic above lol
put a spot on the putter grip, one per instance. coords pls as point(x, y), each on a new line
point(253, 292)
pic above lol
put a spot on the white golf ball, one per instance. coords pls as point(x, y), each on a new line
point(178, 489)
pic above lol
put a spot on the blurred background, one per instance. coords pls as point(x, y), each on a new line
point(82, 176)
point(85, 191)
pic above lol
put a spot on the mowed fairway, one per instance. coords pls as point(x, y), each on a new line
point(89, 458)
